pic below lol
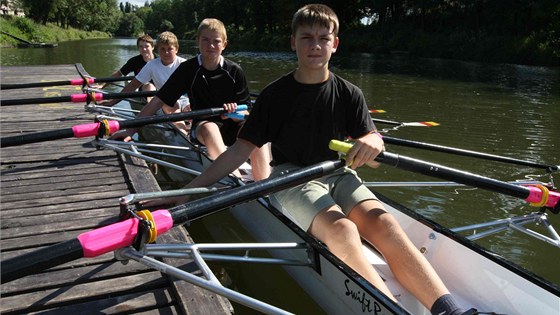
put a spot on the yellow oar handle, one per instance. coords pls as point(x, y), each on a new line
point(340, 146)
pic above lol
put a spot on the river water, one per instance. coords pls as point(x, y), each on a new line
point(508, 110)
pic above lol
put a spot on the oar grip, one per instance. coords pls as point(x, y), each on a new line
point(542, 197)
point(121, 234)
point(92, 129)
point(81, 81)
point(340, 146)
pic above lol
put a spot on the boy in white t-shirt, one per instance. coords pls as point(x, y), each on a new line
point(157, 70)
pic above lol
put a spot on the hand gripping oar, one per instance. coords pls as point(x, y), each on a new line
point(77, 98)
point(122, 234)
point(537, 195)
point(445, 149)
point(80, 81)
point(107, 127)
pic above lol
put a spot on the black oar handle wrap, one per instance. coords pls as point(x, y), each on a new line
point(208, 205)
point(54, 255)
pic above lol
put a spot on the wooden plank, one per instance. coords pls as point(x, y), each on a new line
point(71, 276)
point(83, 204)
point(158, 301)
point(42, 230)
point(49, 166)
point(11, 222)
point(71, 195)
point(81, 292)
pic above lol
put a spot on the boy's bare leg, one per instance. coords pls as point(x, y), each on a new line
point(181, 125)
point(208, 133)
point(341, 236)
point(409, 266)
point(260, 162)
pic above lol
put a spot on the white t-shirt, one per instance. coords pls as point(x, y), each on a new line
point(157, 72)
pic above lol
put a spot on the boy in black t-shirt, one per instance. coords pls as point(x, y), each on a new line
point(145, 45)
point(299, 114)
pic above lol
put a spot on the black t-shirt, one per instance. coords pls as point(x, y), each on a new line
point(134, 64)
point(206, 89)
point(300, 119)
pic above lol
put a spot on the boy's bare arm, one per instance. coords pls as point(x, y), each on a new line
point(226, 163)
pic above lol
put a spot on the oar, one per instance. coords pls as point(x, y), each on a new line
point(446, 149)
point(122, 234)
point(77, 98)
point(406, 124)
point(107, 127)
point(377, 111)
point(533, 194)
point(80, 81)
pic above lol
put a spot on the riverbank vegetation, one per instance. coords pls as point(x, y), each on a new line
point(28, 30)
point(520, 31)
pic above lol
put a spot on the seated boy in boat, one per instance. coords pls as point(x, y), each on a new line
point(145, 46)
point(299, 114)
point(158, 71)
point(210, 81)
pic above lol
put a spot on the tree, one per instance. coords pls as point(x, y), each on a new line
point(130, 25)
point(39, 10)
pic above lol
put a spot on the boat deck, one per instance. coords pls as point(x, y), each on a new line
point(53, 191)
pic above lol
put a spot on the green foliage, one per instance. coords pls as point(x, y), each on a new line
point(130, 25)
point(28, 30)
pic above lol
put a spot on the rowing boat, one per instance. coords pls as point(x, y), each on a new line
point(476, 276)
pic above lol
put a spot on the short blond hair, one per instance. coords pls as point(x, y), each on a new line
point(167, 38)
point(315, 14)
point(214, 25)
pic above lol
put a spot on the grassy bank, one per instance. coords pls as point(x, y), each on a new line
point(26, 29)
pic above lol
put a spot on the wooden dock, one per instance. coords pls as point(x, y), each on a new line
point(53, 191)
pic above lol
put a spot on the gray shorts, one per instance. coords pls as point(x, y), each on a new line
point(302, 203)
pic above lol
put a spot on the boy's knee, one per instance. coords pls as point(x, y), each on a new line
point(344, 230)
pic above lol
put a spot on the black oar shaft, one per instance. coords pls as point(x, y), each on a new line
point(447, 173)
point(386, 122)
point(205, 206)
point(469, 153)
point(36, 100)
point(36, 137)
point(143, 121)
point(42, 259)
point(76, 98)
point(8, 86)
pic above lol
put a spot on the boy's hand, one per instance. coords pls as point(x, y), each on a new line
point(230, 107)
point(108, 103)
point(364, 151)
point(124, 135)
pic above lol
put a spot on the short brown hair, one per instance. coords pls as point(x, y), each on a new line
point(146, 38)
point(214, 25)
point(167, 38)
point(315, 14)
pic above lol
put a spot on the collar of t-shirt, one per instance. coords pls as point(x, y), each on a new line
point(199, 58)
